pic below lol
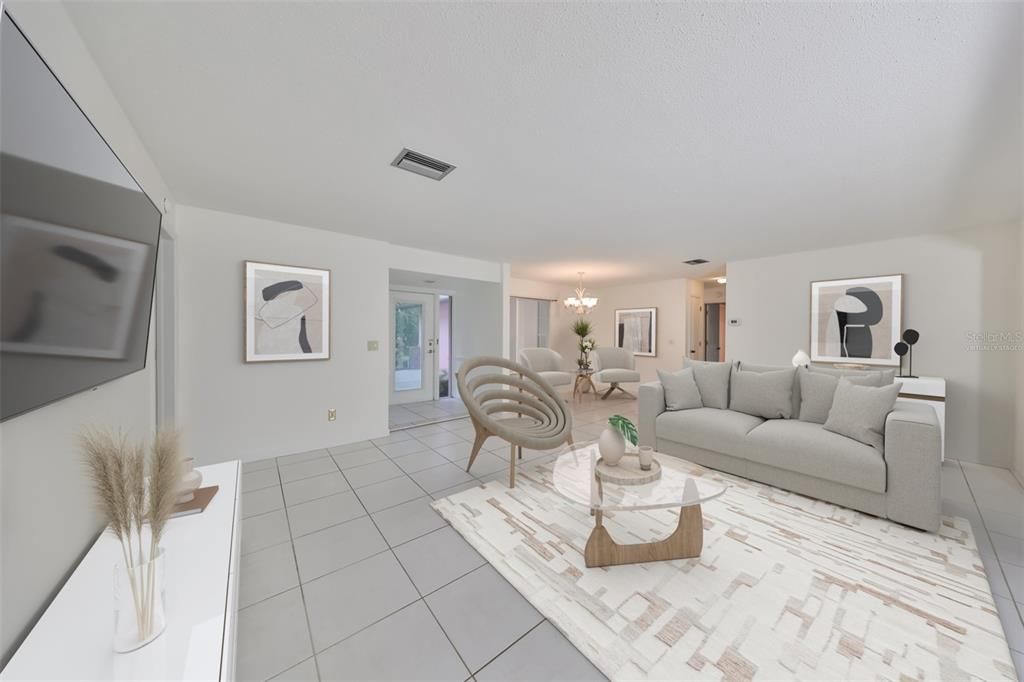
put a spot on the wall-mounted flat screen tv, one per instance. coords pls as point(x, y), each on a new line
point(78, 242)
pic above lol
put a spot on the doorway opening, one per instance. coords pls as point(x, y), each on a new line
point(423, 387)
point(714, 332)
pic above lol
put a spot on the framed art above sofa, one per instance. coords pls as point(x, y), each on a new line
point(857, 319)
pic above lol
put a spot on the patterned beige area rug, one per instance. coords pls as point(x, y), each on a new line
point(786, 587)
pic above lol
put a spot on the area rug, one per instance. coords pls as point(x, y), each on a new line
point(786, 587)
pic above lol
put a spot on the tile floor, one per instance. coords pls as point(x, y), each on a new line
point(429, 412)
point(347, 574)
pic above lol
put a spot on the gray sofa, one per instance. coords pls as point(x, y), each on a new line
point(902, 482)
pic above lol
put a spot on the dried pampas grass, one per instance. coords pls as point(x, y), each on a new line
point(135, 488)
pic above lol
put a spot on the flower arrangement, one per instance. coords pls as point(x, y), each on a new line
point(582, 328)
point(136, 491)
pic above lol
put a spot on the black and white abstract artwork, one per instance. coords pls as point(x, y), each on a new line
point(856, 320)
point(287, 313)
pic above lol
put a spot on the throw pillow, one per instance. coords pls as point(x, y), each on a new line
point(859, 412)
point(817, 390)
point(712, 381)
point(681, 391)
point(763, 394)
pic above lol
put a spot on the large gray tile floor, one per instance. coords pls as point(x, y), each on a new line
point(348, 574)
point(428, 412)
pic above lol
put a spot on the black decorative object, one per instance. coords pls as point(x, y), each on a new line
point(901, 349)
point(910, 337)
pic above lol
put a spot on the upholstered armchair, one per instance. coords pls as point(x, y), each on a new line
point(615, 366)
point(548, 364)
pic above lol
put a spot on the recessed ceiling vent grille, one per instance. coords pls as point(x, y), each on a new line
point(696, 261)
point(420, 164)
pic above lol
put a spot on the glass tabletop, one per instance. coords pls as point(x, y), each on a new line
point(574, 479)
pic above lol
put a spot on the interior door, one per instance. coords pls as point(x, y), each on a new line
point(413, 347)
point(695, 333)
point(712, 341)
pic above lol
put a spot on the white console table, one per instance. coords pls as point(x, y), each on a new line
point(929, 391)
point(74, 638)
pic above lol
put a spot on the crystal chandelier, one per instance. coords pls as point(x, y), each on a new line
point(581, 304)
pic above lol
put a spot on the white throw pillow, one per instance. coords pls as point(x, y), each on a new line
point(681, 391)
point(859, 412)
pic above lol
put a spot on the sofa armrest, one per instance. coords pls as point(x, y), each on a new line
point(913, 462)
point(651, 403)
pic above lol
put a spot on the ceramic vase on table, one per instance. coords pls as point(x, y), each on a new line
point(190, 480)
point(612, 446)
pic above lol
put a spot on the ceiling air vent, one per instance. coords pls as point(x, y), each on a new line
point(417, 163)
point(696, 261)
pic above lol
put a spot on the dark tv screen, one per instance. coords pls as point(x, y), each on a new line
point(78, 242)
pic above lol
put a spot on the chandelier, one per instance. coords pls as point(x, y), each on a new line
point(581, 304)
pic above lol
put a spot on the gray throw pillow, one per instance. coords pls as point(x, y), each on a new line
point(763, 394)
point(712, 381)
point(681, 391)
point(859, 412)
point(817, 390)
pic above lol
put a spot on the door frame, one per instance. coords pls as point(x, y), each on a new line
point(436, 295)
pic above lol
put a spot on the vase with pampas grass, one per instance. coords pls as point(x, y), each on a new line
point(136, 489)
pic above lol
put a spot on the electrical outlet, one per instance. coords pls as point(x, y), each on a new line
point(332, 414)
point(373, 345)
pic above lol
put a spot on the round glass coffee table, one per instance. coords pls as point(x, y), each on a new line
point(574, 478)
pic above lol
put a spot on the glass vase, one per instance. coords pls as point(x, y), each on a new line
point(139, 610)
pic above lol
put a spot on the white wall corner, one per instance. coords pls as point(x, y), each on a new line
point(506, 307)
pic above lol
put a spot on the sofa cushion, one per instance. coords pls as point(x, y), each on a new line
point(747, 367)
point(712, 381)
point(859, 412)
point(809, 449)
point(882, 377)
point(817, 390)
point(681, 391)
point(722, 431)
point(762, 394)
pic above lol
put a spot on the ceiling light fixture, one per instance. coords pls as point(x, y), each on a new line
point(581, 304)
point(720, 280)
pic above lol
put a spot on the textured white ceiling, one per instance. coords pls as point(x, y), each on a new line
point(619, 139)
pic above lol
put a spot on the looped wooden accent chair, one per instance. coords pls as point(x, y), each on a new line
point(521, 408)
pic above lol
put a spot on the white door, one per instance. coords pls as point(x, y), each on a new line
point(413, 345)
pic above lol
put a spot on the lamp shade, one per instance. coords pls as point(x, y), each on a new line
point(801, 359)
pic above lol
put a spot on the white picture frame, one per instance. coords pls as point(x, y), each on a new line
point(636, 329)
point(287, 313)
point(856, 320)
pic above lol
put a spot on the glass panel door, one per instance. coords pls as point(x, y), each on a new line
point(413, 344)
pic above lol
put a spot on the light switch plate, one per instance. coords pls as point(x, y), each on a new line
point(332, 414)
point(373, 345)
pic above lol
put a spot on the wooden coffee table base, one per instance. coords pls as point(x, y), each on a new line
point(684, 543)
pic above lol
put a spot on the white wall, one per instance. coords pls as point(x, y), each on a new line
point(47, 514)
point(668, 296)
point(1018, 459)
point(231, 409)
point(418, 260)
point(954, 284)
